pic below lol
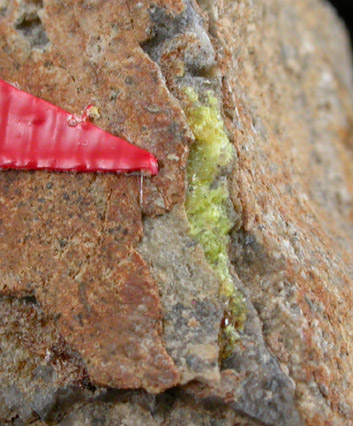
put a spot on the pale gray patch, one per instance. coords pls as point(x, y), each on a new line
point(189, 291)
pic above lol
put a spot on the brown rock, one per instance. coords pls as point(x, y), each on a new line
point(62, 222)
point(95, 292)
point(293, 252)
point(73, 249)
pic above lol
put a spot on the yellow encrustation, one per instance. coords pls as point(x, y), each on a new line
point(206, 204)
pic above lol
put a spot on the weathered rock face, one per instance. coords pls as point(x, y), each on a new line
point(242, 317)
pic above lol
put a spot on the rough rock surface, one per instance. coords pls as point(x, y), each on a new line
point(190, 322)
point(102, 288)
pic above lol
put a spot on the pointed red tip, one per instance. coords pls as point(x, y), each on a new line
point(153, 165)
point(35, 134)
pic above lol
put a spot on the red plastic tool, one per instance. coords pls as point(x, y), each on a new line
point(35, 134)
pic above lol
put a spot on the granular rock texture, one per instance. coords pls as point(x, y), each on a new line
point(62, 244)
point(109, 310)
point(191, 323)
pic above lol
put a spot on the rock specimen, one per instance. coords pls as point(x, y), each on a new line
point(219, 291)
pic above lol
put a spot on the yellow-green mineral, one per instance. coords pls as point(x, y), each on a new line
point(206, 204)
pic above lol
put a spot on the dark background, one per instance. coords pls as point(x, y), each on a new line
point(345, 10)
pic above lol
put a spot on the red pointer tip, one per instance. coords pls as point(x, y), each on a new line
point(35, 134)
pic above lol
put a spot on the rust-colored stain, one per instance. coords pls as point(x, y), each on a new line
point(69, 239)
point(301, 226)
